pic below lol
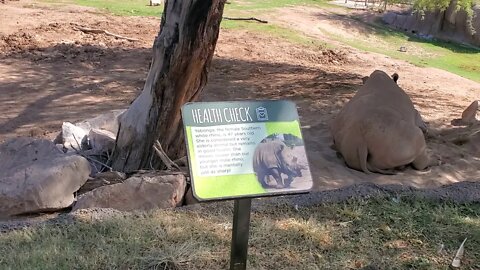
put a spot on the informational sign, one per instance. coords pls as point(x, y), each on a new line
point(245, 149)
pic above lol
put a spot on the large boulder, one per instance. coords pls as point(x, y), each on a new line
point(94, 138)
point(73, 137)
point(102, 179)
point(102, 129)
point(107, 121)
point(35, 176)
point(140, 192)
point(101, 141)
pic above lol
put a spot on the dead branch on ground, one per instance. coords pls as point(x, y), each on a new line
point(81, 153)
point(101, 31)
point(163, 156)
point(245, 19)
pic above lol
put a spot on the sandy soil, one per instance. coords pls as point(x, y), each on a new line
point(50, 72)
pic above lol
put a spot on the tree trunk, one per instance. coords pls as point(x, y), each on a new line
point(182, 53)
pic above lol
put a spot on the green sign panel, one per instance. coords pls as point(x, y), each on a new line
point(245, 149)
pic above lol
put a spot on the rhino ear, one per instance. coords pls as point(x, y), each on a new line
point(395, 77)
point(364, 79)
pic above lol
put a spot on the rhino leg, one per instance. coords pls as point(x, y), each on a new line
point(377, 170)
point(288, 181)
point(263, 179)
point(420, 123)
point(367, 167)
point(275, 172)
point(362, 152)
point(297, 173)
point(364, 79)
point(268, 181)
point(422, 161)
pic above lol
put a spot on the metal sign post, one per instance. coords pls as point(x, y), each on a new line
point(240, 232)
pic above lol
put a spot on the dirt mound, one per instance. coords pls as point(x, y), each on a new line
point(68, 52)
point(25, 40)
point(17, 42)
point(324, 56)
point(258, 47)
point(465, 140)
point(334, 57)
point(65, 43)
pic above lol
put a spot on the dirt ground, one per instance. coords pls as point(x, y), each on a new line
point(51, 72)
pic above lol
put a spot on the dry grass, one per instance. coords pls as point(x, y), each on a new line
point(379, 233)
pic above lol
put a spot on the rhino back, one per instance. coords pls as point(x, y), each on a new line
point(376, 96)
point(384, 91)
point(266, 155)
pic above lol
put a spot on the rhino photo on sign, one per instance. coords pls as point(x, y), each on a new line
point(280, 162)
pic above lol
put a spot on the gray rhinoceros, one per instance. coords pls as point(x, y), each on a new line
point(274, 158)
point(379, 129)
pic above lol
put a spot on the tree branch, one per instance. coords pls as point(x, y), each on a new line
point(163, 156)
point(101, 31)
point(245, 19)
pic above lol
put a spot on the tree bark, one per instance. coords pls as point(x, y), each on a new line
point(182, 53)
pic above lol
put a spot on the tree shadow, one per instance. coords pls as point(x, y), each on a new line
point(314, 90)
point(41, 88)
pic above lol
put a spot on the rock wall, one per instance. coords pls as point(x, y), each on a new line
point(449, 25)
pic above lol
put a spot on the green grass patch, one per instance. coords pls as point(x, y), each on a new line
point(141, 7)
point(382, 233)
point(275, 31)
point(377, 38)
point(121, 8)
point(455, 58)
point(270, 4)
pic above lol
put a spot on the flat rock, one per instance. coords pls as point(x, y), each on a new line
point(77, 136)
point(101, 140)
point(35, 176)
point(73, 137)
point(107, 121)
point(140, 192)
point(102, 179)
